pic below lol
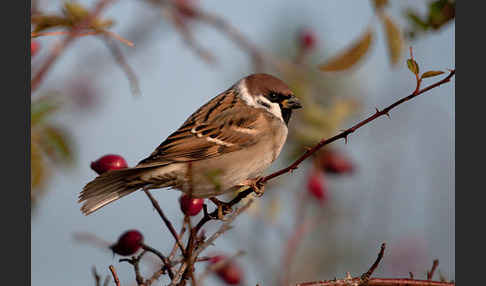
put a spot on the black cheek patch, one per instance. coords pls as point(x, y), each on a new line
point(264, 103)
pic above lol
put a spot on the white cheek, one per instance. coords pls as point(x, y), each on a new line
point(254, 101)
point(274, 107)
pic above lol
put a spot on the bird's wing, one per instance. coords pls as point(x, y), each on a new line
point(226, 124)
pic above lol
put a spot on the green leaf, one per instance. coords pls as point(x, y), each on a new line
point(416, 20)
point(351, 56)
point(44, 22)
point(57, 144)
point(214, 177)
point(431, 74)
point(41, 108)
point(413, 66)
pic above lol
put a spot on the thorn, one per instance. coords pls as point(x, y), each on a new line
point(348, 276)
point(388, 115)
point(377, 111)
point(411, 275)
point(346, 139)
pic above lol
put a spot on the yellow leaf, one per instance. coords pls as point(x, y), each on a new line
point(75, 11)
point(394, 39)
point(380, 3)
point(351, 56)
point(431, 74)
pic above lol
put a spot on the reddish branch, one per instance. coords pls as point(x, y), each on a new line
point(366, 280)
point(373, 267)
point(430, 273)
point(60, 47)
point(115, 276)
point(377, 282)
point(165, 220)
point(345, 133)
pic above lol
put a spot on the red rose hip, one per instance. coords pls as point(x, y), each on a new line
point(108, 162)
point(335, 162)
point(191, 206)
point(34, 47)
point(128, 243)
point(316, 186)
point(307, 39)
point(230, 273)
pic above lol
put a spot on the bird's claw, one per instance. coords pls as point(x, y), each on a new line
point(257, 186)
point(223, 208)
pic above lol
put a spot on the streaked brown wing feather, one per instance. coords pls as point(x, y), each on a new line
point(208, 134)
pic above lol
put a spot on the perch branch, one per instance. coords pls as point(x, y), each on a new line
point(365, 279)
point(344, 134)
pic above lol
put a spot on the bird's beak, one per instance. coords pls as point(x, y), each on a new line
point(291, 103)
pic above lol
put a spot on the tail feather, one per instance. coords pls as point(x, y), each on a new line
point(109, 187)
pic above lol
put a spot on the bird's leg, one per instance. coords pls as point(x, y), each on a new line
point(257, 186)
point(223, 208)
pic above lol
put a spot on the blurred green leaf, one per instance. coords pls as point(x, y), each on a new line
point(57, 145)
point(214, 177)
point(41, 108)
point(431, 74)
point(351, 56)
point(413, 66)
point(44, 22)
point(38, 173)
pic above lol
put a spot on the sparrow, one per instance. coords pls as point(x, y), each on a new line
point(226, 144)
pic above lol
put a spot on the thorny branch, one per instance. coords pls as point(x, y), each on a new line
point(135, 261)
point(166, 220)
point(344, 134)
point(430, 273)
point(365, 280)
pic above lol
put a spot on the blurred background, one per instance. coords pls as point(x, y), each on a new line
point(392, 182)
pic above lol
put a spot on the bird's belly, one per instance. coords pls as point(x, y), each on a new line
point(218, 175)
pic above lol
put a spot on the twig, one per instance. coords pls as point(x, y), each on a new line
point(218, 265)
point(120, 60)
point(61, 46)
point(174, 248)
point(377, 282)
point(135, 261)
point(87, 33)
point(430, 273)
point(96, 276)
point(344, 134)
point(164, 259)
point(115, 276)
point(366, 280)
point(223, 228)
point(366, 276)
point(166, 221)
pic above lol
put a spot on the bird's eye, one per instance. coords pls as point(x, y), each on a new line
point(273, 96)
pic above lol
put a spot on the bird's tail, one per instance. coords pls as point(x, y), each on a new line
point(109, 187)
